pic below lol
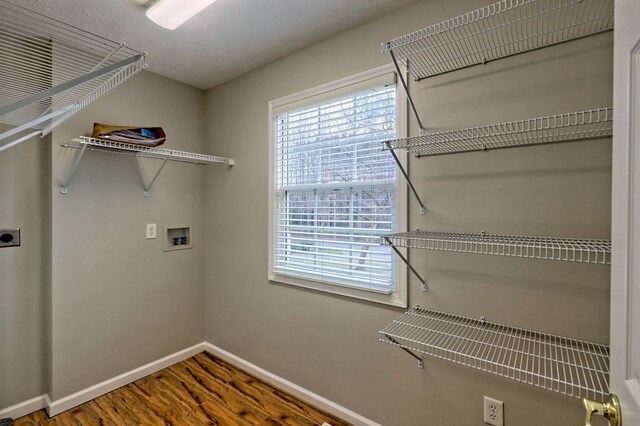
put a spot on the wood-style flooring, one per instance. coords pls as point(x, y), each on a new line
point(203, 390)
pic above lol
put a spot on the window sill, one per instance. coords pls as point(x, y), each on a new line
point(392, 299)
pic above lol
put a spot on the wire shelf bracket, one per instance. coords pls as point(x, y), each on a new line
point(592, 251)
point(390, 243)
point(147, 188)
point(52, 70)
point(28, 125)
point(398, 344)
point(400, 75)
point(84, 143)
point(571, 367)
point(423, 210)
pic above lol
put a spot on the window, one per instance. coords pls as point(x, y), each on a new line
point(334, 190)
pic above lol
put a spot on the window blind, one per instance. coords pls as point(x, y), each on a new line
point(335, 190)
point(328, 94)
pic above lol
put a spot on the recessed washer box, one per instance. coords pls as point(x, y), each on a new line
point(9, 237)
point(178, 237)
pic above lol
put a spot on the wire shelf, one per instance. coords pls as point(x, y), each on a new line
point(568, 366)
point(143, 151)
point(51, 70)
point(582, 125)
point(499, 30)
point(548, 248)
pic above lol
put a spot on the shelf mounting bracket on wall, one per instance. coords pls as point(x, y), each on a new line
point(404, 259)
point(423, 210)
point(416, 115)
point(395, 342)
point(147, 188)
point(65, 186)
point(404, 86)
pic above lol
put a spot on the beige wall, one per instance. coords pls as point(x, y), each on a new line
point(86, 297)
point(118, 300)
point(329, 344)
point(24, 183)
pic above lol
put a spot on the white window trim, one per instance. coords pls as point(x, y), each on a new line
point(399, 297)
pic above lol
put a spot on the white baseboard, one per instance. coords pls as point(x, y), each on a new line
point(63, 404)
point(292, 388)
point(24, 408)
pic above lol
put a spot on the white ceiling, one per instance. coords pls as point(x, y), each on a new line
point(226, 40)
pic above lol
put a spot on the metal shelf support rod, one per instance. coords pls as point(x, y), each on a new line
point(67, 85)
point(405, 87)
point(404, 259)
point(395, 342)
point(65, 186)
point(19, 140)
point(30, 124)
point(148, 187)
point(423, 210)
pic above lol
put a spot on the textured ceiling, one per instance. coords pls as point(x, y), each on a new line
point(226, 40)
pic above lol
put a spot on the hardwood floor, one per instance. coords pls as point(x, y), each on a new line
point(203, 390)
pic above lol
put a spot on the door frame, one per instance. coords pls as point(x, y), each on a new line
point(625, 211)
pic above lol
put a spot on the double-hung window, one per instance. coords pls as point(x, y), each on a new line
point(334, 190)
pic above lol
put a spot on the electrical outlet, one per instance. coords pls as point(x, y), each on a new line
point(9, 238)
point(151, 231)
point(493, 411)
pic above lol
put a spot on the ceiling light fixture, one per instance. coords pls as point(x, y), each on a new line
point(173, 13)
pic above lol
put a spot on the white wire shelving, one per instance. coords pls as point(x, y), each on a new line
point(152, 152)
point(595, 251)
point(51, 70)
point(591, 251)
point(509, 27)
point(84, 142)
point(571, 367)
point(499, 30)
point(575, 126)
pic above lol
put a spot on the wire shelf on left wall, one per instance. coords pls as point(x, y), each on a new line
point(151, 152)
point(84, 143)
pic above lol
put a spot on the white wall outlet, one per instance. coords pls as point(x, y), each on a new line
point(493, 411)
point(152, 231)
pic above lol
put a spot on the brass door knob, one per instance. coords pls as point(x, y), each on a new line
point(610, 410)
